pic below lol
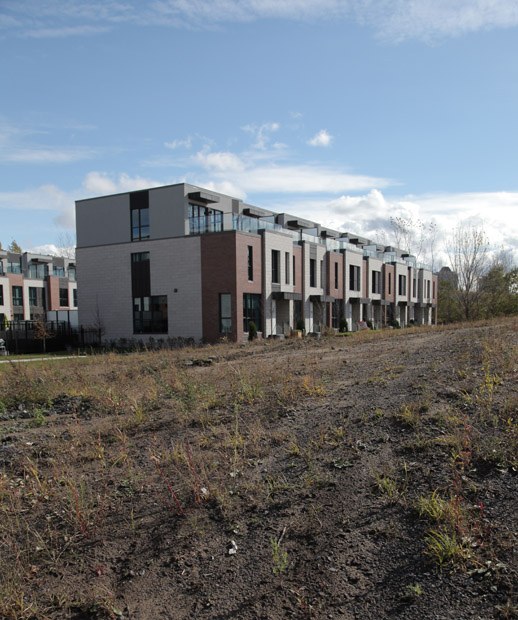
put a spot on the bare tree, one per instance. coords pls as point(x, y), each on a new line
point(468, 254)
point(66, 245)
point(409, 235)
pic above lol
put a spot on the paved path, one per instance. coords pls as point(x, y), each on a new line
point(42, 359)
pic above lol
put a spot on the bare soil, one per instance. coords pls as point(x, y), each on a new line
point(354, 477)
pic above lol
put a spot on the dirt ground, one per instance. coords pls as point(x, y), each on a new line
point(353, 477)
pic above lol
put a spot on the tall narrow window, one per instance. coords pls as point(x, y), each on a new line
point(139, 208)
point(433, 289)
point(252, 311)
point(74, 291)
point(1, 294)
point(428, 289)
point(376, 280)
point(402, 285)
point(17, 296)
point(312, 272)
point(390, 283)
point(336, 275)
point(33, 296)
point(275, 266)
point(354, 277)
point(287, 267)
point(250, 263)
point(63, 297)
point(225, 313)
point(294, 271)
point(414, 287)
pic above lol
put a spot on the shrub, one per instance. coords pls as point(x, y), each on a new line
point(343, 326)
point(252, 331)
point(301, 325)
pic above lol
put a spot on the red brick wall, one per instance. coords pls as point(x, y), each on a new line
point(334, 259)
point(53, 293)
point(218, 275)
point(243, 285)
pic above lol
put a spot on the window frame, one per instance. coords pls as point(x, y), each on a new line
point(225, 314)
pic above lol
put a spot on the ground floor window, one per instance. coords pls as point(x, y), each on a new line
point(337, 313)
point(252, 311)
point(150, 315)
point(297, 312)
point(63, 297)
point(225, 313)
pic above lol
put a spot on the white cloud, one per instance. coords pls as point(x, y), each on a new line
point(175, 144)
point(261, 133)
point(322, 138)
point(46, 155)
point(101, 183)
point(391, 19)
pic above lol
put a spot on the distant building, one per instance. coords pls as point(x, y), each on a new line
point(181, 261)
point(37, 287)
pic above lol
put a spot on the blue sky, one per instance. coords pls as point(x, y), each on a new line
point(347, 112)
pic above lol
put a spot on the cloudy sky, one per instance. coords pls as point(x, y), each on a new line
point(348, 112)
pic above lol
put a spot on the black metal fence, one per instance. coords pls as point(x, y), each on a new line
point(47, 337)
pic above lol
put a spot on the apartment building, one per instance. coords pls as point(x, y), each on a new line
point(36, 287)
point(181, 261)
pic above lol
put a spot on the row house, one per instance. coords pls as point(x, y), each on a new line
point(36, 287)
point(184, 262)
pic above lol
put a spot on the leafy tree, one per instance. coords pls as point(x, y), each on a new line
point(499, 294)
point(14, 247)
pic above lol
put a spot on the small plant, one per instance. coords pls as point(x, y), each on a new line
point(343, 326)
point(279, 558)
point(252, 331)
point(300, 326)
point(445, 548)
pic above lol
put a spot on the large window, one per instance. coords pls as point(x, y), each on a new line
point(312, 272)
point(17, 296)
point(150, 315)
point(376, 282)
point(38, 272)
point(252, 311)
point(250, 263)
point(33, 296)
point(139, 207)
point(276, 276)
point(204, 220)
point(14, 267)
point(225, 313)
point(354, 278)
point(58, 271)
point(63, 297)
point(402, 285)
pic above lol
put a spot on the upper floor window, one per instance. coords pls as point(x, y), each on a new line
point(139, 208)
point(433, 288)
point(414, 287)
point(204, 220)
point(276, 276)
point(354, 278)
point(74, 297)
point(250, 263)
point(336, 275)
point(1, 294)
point(402, 285)
point(389, 284)
point(139, 257)
point(63, 297)
point(312, 272)
point(72, 274)
point(376, 282)
point(17, 296)
point(14, 267)
point(428, 288)
point(58, 271)
point(33, 296)
point(287, 267)
point(38, 272)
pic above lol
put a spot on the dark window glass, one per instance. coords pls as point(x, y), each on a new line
point(139, 207)
point(58, 271)
point(1, 294)
point(204, 220)
point(150, 315)
point(38, 272)
point(17, 296)
point(250, 263)
point(225, 313)
point(390, 284)
point(275, 267)
point(376, 282)
point(293, 271)
point(287, 267)
point(354, 278)
point(336, 275)
point(337, 313)
point(414, 287)
point(252, 311)
point(63, 297)
point(14, 267)
point(312, 272)
point(74, 296)
point(33, 296)
point(402, 285)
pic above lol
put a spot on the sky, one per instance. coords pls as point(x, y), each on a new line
point(346, 112)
